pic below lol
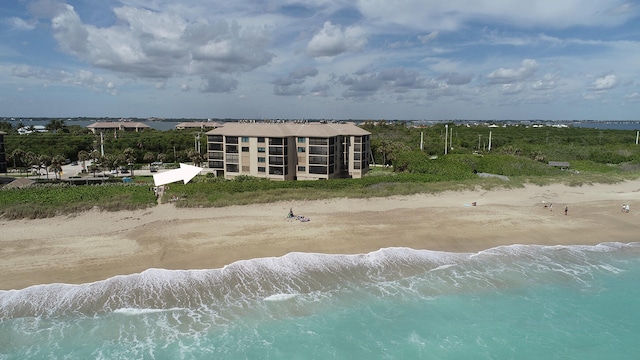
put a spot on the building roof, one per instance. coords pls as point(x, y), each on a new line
point(198, 124)
point(117, 125)
point(19, 183)
point(306, 129)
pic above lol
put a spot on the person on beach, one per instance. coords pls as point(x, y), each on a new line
point(550, 207)
point(566, 210)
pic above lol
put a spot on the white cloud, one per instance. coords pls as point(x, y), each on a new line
point(20, 24)
point(83, 78)
point(604, 83)
point(634, 97)
point(512, 89)
point(149, 44)
point(429, 37)
point(507, 76)
point(548, 82)
point(333, 40)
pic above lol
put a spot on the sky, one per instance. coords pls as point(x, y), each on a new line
point(321, 59)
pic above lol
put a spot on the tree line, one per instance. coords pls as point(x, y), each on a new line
point(63, 144)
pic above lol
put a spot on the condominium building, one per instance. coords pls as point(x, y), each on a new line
point(3, 155)
point(99, 127)
point(289, 150)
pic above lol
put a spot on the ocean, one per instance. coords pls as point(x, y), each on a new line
point(513, 302)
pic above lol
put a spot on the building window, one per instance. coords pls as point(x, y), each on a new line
point(276, 141)
point(261, 149)
point(262, 159)
point(216, 147)
point(232, 158)
point(275, 170)
point(302, 149)
point(320, 170)
point(261, 169)
point(260, 139)
point(245, 149)
point(318, 141)
point(318, 160)
point(232, 149)
point(276, 160)
point(318, 150)
point(232, 139)
point(216, 164)
point(302, 168)
point(245, 139)
point(232, 168)
point(302, 140)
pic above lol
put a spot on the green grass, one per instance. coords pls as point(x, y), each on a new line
point(52, 200)
point(204, 191)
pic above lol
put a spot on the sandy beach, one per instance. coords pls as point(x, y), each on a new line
point(97, 245)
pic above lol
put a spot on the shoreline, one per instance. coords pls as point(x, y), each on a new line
point(95, 245)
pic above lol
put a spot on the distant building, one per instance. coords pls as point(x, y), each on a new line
point(3, 155)
point(289, 151)
point(98, 127)
point(198, 125)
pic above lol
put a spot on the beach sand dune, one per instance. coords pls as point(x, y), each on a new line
point(96, 245)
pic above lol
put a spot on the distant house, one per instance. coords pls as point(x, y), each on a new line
point(3, 155)
point(31, 129)
point(198, 125)
point(560, 164)
point(98, 127)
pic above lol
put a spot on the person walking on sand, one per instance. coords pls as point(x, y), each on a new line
point(566, 210)
point(550, 207)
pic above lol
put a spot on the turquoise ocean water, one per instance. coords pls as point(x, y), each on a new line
point(515, 302)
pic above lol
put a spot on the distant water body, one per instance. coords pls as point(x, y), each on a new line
point(514, 302)
point(609, 126)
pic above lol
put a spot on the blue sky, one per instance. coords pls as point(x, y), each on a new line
point(366, 59)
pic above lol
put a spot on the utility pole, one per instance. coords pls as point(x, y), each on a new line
point(489, 141)
point(446, 137)
point(422, 141)
point(101, 144)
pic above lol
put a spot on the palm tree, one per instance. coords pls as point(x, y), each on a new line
point(83, 156)
point(43, 162)
point(55, 125)
point(195, 157)
point(30, 159)
point(130, 158)
point(56, 165)
point(17, 155)
point(149, 157)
